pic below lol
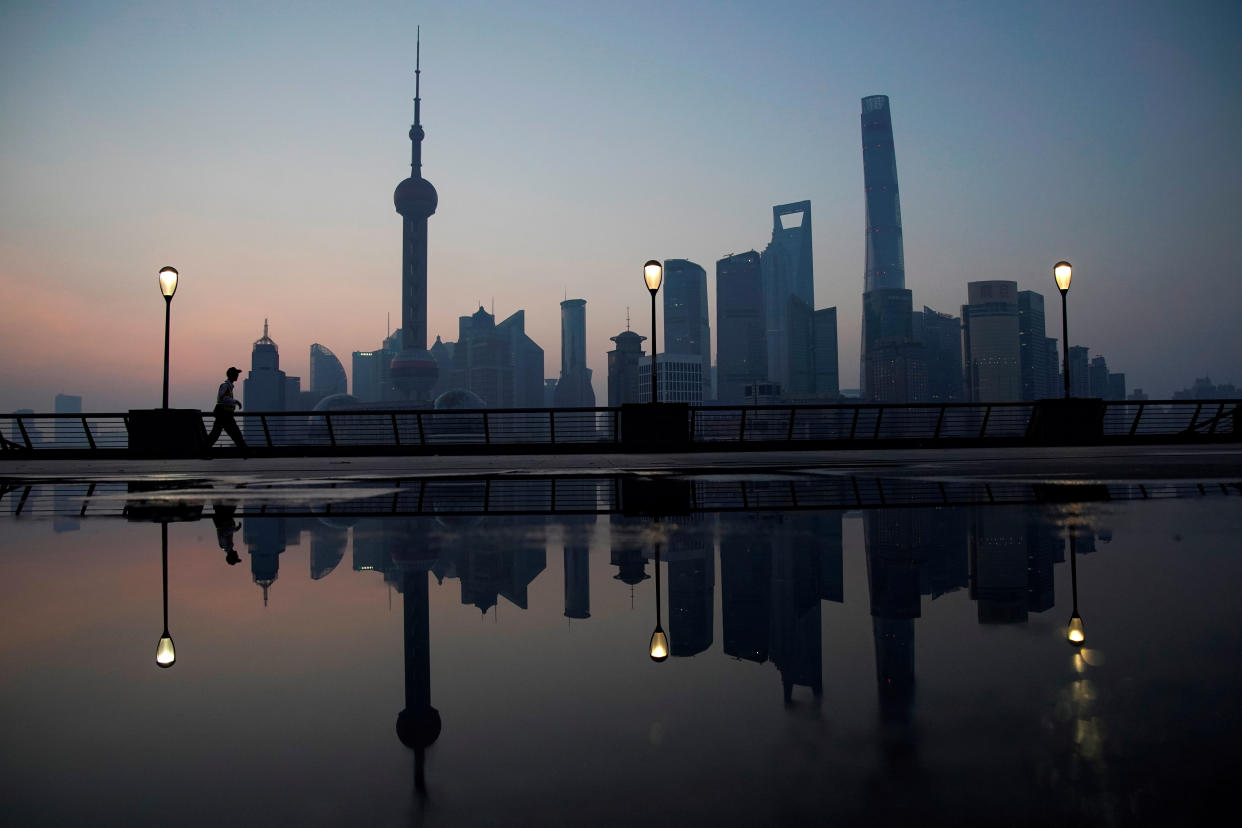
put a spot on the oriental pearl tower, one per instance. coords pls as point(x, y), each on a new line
point(414, 370)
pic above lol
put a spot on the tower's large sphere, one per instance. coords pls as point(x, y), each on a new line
point(415, 197)
point(414, 371)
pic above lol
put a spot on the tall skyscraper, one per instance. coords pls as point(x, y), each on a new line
point(327, 375)
point(500, 363)
point(788, 272)
point(1080, 383)
point(573, 388)
point(413, 369)
point(686, 322)
point(741, 343)
point(827, 379)
point(623, 368)
point(887, 305)
point(680, 378)
point(990, 342)
point(941, 335)
point(264, 387)
point(1033, 353)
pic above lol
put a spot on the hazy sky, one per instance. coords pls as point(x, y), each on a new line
point(255, 147)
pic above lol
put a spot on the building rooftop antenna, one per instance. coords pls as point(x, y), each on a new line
point(627, 317)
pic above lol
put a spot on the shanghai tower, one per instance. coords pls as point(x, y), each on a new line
point(889, 359)
point(414, 370)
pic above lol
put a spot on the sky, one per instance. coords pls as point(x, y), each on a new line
point(255, 147)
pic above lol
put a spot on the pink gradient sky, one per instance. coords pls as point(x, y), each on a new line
point(256, 148)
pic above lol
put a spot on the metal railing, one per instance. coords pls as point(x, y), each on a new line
point(712, 428)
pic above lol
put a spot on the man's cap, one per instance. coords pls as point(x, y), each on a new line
point(234, 371)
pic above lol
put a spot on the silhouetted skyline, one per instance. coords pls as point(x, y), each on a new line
point(256, 151)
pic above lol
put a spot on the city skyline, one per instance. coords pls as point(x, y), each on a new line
point(256, 151)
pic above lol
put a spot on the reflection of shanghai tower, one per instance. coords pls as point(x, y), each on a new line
point(414, 370)
point(887, 305)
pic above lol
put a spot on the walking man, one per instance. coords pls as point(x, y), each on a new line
point(225, 405)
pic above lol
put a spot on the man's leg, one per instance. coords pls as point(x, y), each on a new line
point(230, 425)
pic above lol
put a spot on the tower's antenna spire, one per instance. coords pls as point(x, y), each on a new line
point(416, 131)
point(418, 47)
point(265, 327)
point(627, 317)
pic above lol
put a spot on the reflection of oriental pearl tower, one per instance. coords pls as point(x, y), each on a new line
point(414, 370)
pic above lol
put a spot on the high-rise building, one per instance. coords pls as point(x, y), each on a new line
point(413, 369)
point(1032, 351)
point(327, 375)
point(741, 343)
point(499, 363)
point(1052, 365)
point(371, 379)
point(573, 388)
point(679, 379)
point(623, 368)
point(827, 378)
point(1080, 382)
point(788, 271)
point(68, 404)
point(265, 387)
point(686, 323)
point(887, 305)
point(990, 348)
point(941, 335)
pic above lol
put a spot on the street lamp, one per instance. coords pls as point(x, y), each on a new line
point(1074, 633)
point(653, 274)
point(658, 649)
point(168, 286)
point(165, 652)
point(1062, 271)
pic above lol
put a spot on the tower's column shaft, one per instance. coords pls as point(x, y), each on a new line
point(414, 283)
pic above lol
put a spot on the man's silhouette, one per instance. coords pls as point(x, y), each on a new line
point(226, 403)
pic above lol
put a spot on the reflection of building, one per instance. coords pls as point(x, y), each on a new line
point(577, 555)
point(573, 388)
point(327, 547)
point(691, 562)
point(623, 368)
point(627, 553)
point(686, 326)
point(741, 343)
point(265, 539)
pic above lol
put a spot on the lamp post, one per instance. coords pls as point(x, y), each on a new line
point(1062, 271)
point(1074, 633)
point(658, 649)
point(165, 652)
point(168, 286)
point(653, 274)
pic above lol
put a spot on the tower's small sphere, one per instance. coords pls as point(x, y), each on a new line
point(415, 197)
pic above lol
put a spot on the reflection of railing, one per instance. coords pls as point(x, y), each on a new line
point(567, 496)
point(536, 430)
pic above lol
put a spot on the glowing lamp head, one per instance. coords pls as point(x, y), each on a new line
point(168, 281)
point(1074, 633)
point(653, 273)
point(1062, 272)
point(659, 645)
point(165, 652)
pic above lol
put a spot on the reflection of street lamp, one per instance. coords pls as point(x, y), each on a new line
point(168, 286)
point(165, 652)
point(659, 641)
point(1062, 271)
point(1074, 633)
point(653, 273)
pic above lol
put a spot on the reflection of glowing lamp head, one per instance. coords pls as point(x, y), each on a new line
point(1074, 633)
point(165, 652)
point(659, 645)
point(1062, 272)
point(653, 273)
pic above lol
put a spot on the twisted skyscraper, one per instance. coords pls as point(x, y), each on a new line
point(892, 366)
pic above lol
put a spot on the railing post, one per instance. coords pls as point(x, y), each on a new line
point(1220, 412)
point(793, 412)
point(879, 414)
point(267, 434)
point(983, 429)
point(487, 433)
point(854, 423)
point(552, 425)
point(327, 418)
point(90, 438)
point(25, 435)
point(1137, 416)
point(939, 422)
point(418, 418)
point(741, 430)
point(1194, 421)
point(693, 411)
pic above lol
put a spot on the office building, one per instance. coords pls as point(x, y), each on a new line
point(327, 375)
point(72, 435)
point(941, 335)
point(1080, 381)
point(788, 272)
point(573, 388)
point(267, 388)
point(887, 305)
point(1037, 379)
point(623, 368)
point(824, 331)
point(686, 322)
point(990, 345)
point(679, 378)
point(499, 363)
point(741, 342)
